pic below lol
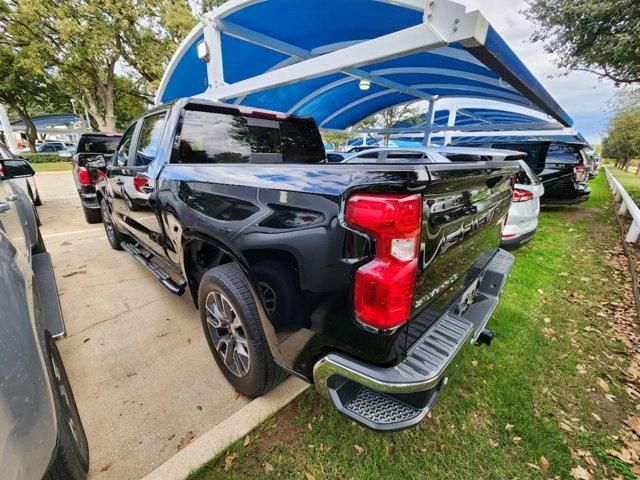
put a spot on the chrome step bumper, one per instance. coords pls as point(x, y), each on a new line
point(399, 397)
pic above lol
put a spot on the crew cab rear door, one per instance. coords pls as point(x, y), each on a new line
point(137, 188)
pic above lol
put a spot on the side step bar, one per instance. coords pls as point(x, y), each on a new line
point(146, 261)
point(48, 294)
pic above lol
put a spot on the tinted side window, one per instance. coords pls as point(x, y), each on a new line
point(214, 136)
point(4, 153)
point(149, 140)
point(121, 157)
point(564, 153)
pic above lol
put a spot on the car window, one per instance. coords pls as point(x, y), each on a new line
point(98, 144)
point(365, 157)
point(5, 154)
point(405, 157)
point(214, 135)
point(149, 140)
point(121, 157)
point(564, 153)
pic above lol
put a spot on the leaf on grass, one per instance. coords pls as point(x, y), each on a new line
point(540, 291)
point(309, 476)
point(533, 465)
point(582, 368)
point(544, 463)
point(602, 385)
point(634, 423)
point(359, 449)
point(508, 427)
point(547, 320)
point(267, 467)
point(596, 416)
point(517, 439)
point(580, 473)
point(493, 443)
point(228, 461)
point(627, 455)
point(247, 440)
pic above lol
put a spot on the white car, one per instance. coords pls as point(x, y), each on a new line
point(27, 184)
point(521, 223)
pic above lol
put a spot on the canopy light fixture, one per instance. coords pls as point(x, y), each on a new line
point(365, 84)
point(203, 51)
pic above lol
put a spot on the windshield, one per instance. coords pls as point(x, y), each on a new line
point(564, 153)
point(98, 144)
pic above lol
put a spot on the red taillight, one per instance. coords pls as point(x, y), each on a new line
point(384, 286)
point(579, 173)
point(520, 195)
point(83, 176)
point(139, 183)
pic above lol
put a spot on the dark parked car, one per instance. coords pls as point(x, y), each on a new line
point(370, 281)
point(41, 434)
point(89, 163)
point(562, 167)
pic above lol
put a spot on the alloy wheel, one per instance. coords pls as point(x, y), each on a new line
point(228, 334)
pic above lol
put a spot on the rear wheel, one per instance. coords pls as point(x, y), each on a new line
point(72, 454)
point(234, 331)
point(92, 215)
point(114, 237)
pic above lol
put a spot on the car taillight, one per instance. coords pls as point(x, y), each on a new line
point(384, 286)
point(83, 176)
point(520, 195)
point(579, 173)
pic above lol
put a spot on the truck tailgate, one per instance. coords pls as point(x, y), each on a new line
point(464, 208)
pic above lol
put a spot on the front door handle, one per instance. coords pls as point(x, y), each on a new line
point(11, 198)
point(119, 182)
point(4, 207)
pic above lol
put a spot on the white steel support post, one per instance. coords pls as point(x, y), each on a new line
point(8, 131)
point(451, 122)
point(213, 39)
point(431, 113)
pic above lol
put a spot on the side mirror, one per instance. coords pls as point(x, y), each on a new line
point(18, 168)
point(97, 161)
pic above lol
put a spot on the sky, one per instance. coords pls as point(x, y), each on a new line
point(581, 94)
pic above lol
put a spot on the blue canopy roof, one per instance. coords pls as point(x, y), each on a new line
point(308, 58)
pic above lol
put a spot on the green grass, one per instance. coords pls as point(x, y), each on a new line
point(527, 379)
point(52, 167)
point(629, 180)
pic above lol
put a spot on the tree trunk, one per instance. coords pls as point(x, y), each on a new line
point(30, 129)
point(627, 164)
point(638, 169)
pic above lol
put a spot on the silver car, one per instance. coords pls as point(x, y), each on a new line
point(41, 434)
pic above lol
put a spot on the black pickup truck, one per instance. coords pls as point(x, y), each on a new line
point(369, 281)
point(563, 167)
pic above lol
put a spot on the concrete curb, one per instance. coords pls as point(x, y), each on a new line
point(216, 440)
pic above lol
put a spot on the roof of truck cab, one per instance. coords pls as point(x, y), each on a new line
point(308, 59)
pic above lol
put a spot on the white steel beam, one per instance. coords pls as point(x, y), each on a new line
point(215, 67)
point(404, 42)
point(299, 54)
point(8, 131)
point(431, 114)
point(495, 128)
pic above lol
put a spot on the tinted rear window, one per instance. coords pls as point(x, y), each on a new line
point(217, 135)
point(98, 144)
point(564, 153)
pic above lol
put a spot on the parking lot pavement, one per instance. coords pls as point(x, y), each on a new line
point(140, 368)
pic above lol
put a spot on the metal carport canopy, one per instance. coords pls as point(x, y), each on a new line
point(308, 57)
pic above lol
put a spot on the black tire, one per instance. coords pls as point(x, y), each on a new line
point(92, 215)
point(262, 373)
point(113, 235)
point(39, 247)
point(279, 290)
point(71, 461)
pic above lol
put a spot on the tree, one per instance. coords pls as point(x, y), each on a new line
point(602, 37)
point(408, 114)
point(622, 142)
point(21, 89)
point(84, 46)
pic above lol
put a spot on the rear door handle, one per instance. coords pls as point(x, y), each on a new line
point(4, 207)
point(11, 198)
point(147, 189)
point(119, 182)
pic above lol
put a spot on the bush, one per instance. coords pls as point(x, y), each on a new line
point(45, 158)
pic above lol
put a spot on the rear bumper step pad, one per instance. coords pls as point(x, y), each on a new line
point(398, 397)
